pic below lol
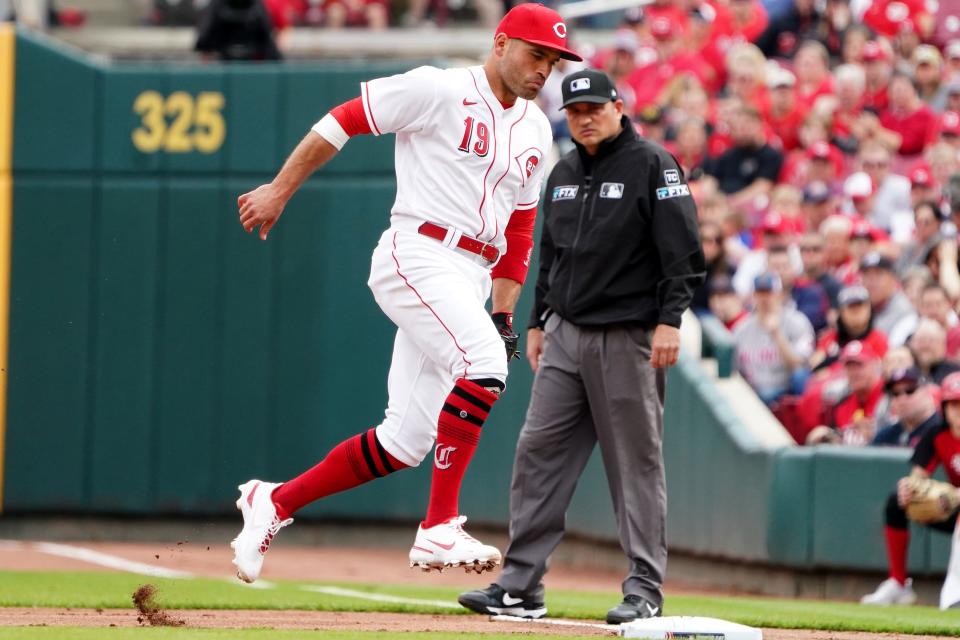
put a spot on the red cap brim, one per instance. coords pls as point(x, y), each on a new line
point(566, 54)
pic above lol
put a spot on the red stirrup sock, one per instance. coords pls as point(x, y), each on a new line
point(897, 542)
point(458, 432)
point(351, 463)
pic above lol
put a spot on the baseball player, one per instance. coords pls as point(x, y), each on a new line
point(940, 445)
point(469, 160)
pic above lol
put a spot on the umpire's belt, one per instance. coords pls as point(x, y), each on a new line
point(451, 237)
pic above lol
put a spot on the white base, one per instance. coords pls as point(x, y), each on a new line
point(688, 628)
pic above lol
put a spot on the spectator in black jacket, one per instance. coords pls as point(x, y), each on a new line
point(237, 30)
point(749, 169)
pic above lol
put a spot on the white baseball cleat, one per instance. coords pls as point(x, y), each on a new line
point(260, 524)
point(448, 545)
point(891, 592)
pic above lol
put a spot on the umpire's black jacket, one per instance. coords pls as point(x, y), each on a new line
point(620, 242)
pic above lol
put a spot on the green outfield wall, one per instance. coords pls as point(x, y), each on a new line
point(159, 355)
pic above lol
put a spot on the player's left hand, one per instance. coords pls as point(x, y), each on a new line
point(260, 208)
point(503, 321)
point(665, 346)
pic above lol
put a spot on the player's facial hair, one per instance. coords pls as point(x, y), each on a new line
point(508, 73)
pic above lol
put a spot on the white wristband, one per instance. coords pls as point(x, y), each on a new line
point(331, 131)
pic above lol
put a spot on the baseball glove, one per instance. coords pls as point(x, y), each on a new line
point(504, 324)
point(930, 500)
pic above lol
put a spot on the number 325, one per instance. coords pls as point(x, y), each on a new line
point(194, 124)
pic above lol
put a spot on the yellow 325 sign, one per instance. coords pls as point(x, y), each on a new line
point(179, 123)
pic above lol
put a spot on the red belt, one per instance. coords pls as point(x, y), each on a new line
point(486, 251)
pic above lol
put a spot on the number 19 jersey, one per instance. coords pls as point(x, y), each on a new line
point(462, 160)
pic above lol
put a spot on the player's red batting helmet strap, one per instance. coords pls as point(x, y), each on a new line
point(950, 387)
point(536, 24)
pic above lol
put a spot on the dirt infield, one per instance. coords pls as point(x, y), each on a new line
point(346, 621)
point(320, 564)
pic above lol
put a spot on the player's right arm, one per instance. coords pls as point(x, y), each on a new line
point(262, 206)
point(386, 105)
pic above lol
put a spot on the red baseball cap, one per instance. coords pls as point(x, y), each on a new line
point(820, 150)
point(773, 222)
point(859, 352)
point(920, 176)
point(536, 24)
point(950, 387)
point(950, 123)
point(662, 27)
point(872, 51)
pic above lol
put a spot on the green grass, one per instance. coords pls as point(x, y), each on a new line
point(113, 590)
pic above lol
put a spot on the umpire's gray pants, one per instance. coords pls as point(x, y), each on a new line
point(592, 385)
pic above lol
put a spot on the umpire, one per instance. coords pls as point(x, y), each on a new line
point(620, 257)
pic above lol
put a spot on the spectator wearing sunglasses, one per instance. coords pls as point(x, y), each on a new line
point(915, 408)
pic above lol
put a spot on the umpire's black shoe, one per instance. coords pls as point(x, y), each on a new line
point(495, 601)
point(632, 608)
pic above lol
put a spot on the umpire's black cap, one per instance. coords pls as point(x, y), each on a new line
point(588, 85)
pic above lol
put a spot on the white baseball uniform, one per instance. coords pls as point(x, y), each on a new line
point(465, 163)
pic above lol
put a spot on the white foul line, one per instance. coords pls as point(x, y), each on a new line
point(130, 566)
point(380, 597)
point(107, 560)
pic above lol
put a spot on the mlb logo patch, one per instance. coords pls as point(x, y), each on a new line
point(671, 176)
point(566, 192)
point(580, 84)
point(612, 190)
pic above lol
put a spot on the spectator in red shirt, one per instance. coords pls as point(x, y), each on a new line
point(650, 81)
point(924, 189)
point(850, 82)
point(854, 322)
point(864, 239)
point(878, 68)
point(887, 17)
point(950, 127)
point(704, 37)
point(783, 117)
point(749, 19)
point(746, 76)
point(850, 420)
point(858, 192)
point(690, 147)
point(812, 68)
point(908, 124)
point(825, 164)
point(836, 236)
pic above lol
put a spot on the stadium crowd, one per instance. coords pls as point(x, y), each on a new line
point(821, 145)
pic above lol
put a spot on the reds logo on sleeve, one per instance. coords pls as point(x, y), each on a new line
point(527, 160)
